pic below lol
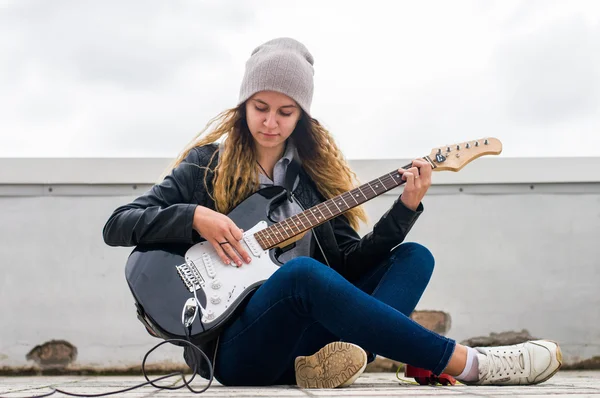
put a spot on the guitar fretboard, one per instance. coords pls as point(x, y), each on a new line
point(331, 208)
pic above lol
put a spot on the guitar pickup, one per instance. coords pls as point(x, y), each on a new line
point(208, 265)
point(253, 245)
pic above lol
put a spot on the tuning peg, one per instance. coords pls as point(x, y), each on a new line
point(458, 147)
point(476, 143)
point(485, 142)
point(439, 150)
point(468, 145)
point(448, 149)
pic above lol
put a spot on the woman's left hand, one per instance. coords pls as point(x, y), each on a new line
point(418, 181)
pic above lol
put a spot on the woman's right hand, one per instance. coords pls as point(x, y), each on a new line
point(221, 232)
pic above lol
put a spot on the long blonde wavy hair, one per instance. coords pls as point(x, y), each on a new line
point(236, 174)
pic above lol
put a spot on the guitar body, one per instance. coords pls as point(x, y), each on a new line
point(163, 277)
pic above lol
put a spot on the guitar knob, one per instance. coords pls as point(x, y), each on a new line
point(215, 299)
point(216, 284)
point(209, 314)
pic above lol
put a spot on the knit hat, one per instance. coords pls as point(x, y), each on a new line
point(284, 65)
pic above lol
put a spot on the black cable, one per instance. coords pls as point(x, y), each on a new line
point(185, 382)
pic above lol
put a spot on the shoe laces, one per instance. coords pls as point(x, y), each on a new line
point(505, 362)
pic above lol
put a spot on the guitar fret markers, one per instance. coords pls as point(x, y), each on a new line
point(281, 231)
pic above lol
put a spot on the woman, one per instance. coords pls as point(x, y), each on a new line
point(337, 294)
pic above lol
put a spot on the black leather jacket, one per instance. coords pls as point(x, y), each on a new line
point(164, 214)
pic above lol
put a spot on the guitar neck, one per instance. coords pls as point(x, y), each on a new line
point(331, 208)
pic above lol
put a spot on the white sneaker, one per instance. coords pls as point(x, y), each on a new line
point(532, 362)
point(337, 364)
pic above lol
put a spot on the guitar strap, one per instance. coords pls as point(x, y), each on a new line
point(291, 173)
point(290, 176)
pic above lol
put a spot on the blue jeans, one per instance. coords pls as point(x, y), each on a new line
point(305, 305)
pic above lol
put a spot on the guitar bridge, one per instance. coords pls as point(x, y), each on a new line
point(190, 276)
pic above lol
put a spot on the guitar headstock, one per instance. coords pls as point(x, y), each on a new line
point(456, 156)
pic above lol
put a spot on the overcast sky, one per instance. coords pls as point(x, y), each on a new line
point(393, 79)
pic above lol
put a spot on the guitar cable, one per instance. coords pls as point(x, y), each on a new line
point(187, 319)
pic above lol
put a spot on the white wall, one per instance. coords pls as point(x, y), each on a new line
point(508, 256)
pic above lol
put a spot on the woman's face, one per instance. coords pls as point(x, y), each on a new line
point(271, 118)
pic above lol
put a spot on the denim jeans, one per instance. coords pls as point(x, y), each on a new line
point(305, 305)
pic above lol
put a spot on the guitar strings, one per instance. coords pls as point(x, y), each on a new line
point(267, 233)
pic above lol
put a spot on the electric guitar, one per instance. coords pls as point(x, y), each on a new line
point(187, 291)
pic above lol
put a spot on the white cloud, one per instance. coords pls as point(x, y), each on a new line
point(393, 79)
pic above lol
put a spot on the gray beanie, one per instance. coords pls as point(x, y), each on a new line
point(284, 65)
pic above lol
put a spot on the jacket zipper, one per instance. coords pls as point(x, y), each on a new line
point(314, 233)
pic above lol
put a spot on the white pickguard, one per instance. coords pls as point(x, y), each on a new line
point(223, 283)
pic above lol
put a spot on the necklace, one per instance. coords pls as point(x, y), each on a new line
point(267, 174)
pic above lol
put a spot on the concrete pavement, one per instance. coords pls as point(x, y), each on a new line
point(564, 383)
